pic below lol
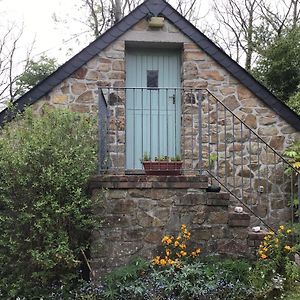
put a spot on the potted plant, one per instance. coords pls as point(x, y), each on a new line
point(162, 165)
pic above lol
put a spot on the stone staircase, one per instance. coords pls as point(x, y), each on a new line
point(137, 210)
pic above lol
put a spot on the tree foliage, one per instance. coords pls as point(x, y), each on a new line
point(279, 66)
point(36, 71)
point(45, 215)
point(294, 102)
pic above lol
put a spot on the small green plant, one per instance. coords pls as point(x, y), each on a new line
point(213, 157)
point(161, 158)
point(146, 157)
point(177, 157)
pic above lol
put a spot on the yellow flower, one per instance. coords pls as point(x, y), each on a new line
point(193, 254)
point(289, 231)
point(287, 248)
point(183, 226)
point(271, 232)
point(281, 227)
point(183, 253)
point(198, 250)
point(171, 261)
point(267, 237)
point(178, 238)
point(176, 243)
point(168, 252)
point(165, 238)
point(182, 246)
point(263, 256)
point(264, 249)
point(162, 262)
point(156, 260)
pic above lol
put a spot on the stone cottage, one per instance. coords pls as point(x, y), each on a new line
point(160, 86)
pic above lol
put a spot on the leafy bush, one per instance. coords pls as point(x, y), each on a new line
point(45, 215)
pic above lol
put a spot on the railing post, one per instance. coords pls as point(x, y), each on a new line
point(102, 132)
point(200, 154)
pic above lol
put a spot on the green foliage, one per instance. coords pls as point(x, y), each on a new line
point(293, 154)
point(279, 66)
point(45, 215)
point(294, 102)
point(34, 73)
point(197, 279)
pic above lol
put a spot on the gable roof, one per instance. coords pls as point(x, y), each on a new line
point(162, 8)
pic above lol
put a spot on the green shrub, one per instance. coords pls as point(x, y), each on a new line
point(45, 215)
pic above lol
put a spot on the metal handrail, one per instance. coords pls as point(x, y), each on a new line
point(205, 97)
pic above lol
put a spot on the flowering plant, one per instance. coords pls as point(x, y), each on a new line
point(175, 249)
point(276, 245)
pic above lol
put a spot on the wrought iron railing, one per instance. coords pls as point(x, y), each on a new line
point(209, 137)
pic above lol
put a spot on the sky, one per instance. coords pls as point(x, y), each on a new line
point(39, 25)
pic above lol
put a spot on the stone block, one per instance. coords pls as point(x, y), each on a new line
point(60, 99)
point(218, 217)
point(194, 56)
point(231, 102)
point(78, 88)
point(200, 216)
point(218, 199)
point(238, 219)
point(203, 233)
point(80, 73)
point(79, 108)
point(86, 97)
point(191, 199)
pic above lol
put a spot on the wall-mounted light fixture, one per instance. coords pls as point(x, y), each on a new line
point(156, 22)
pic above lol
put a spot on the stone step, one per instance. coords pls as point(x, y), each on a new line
point(238, 219)
point(255, 238)
point(217, 199)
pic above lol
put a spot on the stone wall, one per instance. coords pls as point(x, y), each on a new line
point(199, 71)
point(139, 210)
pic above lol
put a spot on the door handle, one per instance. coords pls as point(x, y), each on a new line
point(173, 97)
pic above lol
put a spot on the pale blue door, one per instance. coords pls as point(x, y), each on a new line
point(153, 107)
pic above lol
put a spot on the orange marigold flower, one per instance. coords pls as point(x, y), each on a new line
point(183, 226)
point(183, 253)
point(176, 243)
point(198, 250)
point(263, 256)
